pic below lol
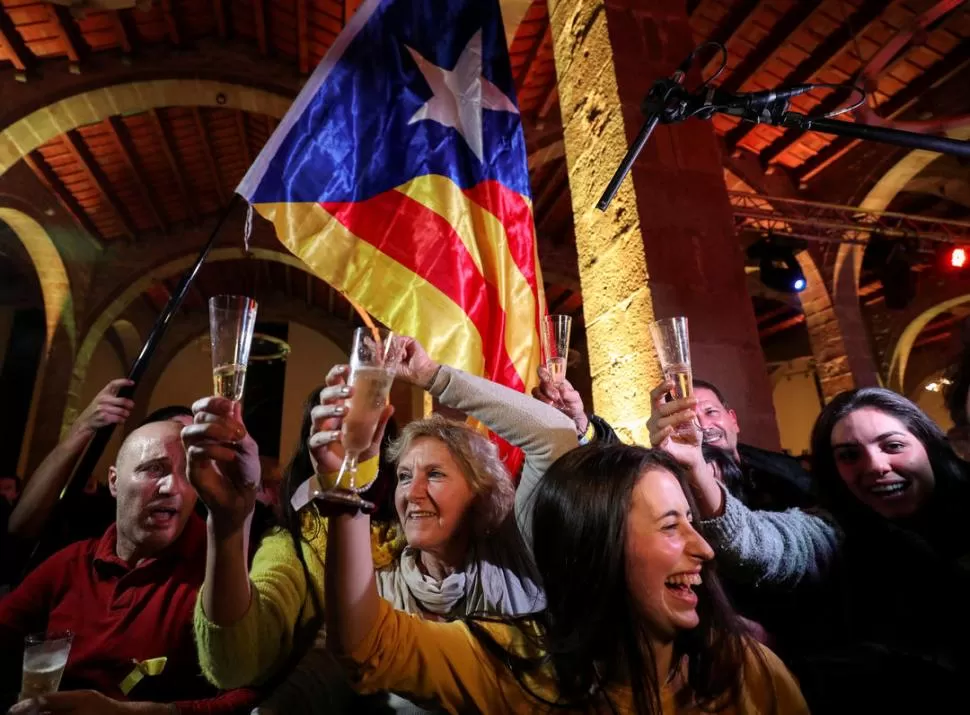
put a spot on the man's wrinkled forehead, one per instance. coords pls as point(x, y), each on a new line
point(158, 440)
point(707, 398)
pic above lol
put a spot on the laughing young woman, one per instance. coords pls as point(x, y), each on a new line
point(902, 581)
point(634, 621)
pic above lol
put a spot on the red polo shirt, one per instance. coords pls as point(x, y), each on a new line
point(119, 615)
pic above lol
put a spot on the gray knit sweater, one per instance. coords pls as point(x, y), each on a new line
point(771, 548)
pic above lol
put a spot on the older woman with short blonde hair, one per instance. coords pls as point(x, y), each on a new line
point(453, 499)
point(462, 518)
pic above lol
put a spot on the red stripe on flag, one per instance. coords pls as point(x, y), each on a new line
point(513, 210)
point(425, 243)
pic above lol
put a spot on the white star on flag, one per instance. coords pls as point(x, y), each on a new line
point(460, 95)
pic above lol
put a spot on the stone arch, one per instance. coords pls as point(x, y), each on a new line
point(51, 273)
point(35, 129)
point(59, 319)
point(907, 337)
point(879, 197)
point(113, 311)
point(129, 339)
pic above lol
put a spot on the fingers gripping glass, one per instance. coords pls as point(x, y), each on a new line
point(45, 656)
point(375, 357)
point(672, 342)
point(555, 343)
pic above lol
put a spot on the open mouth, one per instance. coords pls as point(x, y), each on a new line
point(419, 515)
point(162, 515)
point(711, 435)
point(682, 586)
point(889, 490)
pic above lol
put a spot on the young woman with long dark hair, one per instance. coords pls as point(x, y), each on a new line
point(634, 621)
point(902, 580)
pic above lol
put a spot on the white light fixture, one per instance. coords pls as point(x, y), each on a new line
point(937, 385)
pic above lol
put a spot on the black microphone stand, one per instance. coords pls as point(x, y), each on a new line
point(668, 102)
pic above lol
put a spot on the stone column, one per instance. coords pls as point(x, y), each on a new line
point(852, 326)
point(666, 246)
point(824, 331)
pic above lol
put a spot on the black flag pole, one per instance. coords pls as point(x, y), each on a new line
point(92, 454)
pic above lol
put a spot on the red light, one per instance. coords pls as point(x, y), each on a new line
point(958, 257)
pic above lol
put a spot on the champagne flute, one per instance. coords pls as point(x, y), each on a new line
point(672, 341)
point(232, 319)
point(45, 657)
point(374, 358)
point(555, 338)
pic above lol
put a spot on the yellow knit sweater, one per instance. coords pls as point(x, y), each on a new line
point(443, 663)
point(251, 650)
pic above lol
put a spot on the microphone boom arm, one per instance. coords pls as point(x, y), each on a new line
point(669, 102)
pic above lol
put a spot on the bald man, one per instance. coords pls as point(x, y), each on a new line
point(128, 597)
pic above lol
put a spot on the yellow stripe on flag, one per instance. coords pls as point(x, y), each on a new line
point(392, 293)
point(485, 240)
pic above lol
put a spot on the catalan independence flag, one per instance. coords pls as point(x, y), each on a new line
point(400, 177)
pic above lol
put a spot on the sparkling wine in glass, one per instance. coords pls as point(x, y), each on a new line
point(672, 341)
point(232, 319)
point(374, 358)
point(555, 339)
point(45, 656)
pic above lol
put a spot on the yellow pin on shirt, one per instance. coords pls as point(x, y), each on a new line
point(151, 667)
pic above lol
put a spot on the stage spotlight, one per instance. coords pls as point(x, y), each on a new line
point(780, 269)
point(956, 257)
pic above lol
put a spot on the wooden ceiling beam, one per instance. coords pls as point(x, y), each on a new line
point(89, 165)
point(12, 45)
point(939, 72)
point(303, 36)
point(831, 48)
point(732, 23)
point(119, 132)
point(755, 61)
point(67, 29)
point(171, 23)
point(219, 9)
point(168, 150)
point(523, 73)
point(547, 197)
point(784, 142)
point(774, 313)
point(49, 178)
point(259, 16)
point(782, 326)
point(125, 30)
point(560, 301)
point(552, 97)
point(210, 158)
point(244, 136)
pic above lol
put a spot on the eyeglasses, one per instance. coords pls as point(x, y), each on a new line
point(959, 438)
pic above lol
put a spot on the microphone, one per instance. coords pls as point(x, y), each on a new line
point(742, 105)
point(751, 100)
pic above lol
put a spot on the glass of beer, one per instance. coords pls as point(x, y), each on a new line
point(45, 655)
point(671, 339)
point(374, 358)
point(232, 319)
point(555, 338)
